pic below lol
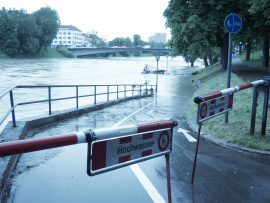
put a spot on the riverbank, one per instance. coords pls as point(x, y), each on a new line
point(50, 53)
point(236, 131)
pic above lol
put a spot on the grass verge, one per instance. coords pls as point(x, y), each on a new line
point(236, 131)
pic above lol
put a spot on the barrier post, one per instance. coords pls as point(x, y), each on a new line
point(254, 110)
point(265, 105)
point(196, 152)
point(167, 156)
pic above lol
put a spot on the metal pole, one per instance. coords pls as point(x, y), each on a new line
point(265, 108)
point(196, 152)
point(229, 63)
point(254, 109)
point(77, 97)
point(157, 77)
point(167, 65)
point(167, 156)
point(108, 92)
point(12, 106)
point(95, 95)
point(50, 102)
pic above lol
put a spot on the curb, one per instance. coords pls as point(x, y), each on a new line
point(192, 125)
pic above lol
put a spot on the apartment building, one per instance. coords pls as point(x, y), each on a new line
point(158, 37)
point(70, 36)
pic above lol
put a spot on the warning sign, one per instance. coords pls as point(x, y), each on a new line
point(214, 107)
point(118, 152)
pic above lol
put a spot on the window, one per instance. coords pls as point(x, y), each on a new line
point(64, 33)
point(69, 37)
point(60, 33)
point(69, 42)
point(60, 37)
point(69, 33)
point(55, 41)
point(64, 37)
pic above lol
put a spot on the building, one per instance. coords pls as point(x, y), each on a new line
point(70, 36)
point(158, 38)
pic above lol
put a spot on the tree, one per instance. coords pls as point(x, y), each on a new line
point(260, 11)
point(27, 31)
point(137, 40)
point(8, 31)
point(95, 40)
point(48, 23)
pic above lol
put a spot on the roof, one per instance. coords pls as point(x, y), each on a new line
point(70, 27)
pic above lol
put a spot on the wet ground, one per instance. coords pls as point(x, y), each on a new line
point(222, 174)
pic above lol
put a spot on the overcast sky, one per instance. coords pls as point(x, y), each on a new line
point(110, 18)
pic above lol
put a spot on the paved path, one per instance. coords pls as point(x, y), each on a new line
point(248, 72)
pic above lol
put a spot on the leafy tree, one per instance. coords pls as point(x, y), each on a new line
point(48, 23)
point(137, 40)
point(95, 40)
point(260, 11)
point(8, 32)
point(27, 31)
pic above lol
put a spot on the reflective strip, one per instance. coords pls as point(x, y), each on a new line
point(81, 137)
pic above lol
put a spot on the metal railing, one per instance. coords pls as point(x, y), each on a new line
point(140, 89)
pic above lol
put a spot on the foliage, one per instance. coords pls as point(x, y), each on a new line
point(27, 33)
point(64, 52)
point(48, 23)
point(8, 39)
point(137, 40)
point(95, 40)
point(198, 25)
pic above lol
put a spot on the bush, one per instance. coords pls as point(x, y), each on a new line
point(64, 52)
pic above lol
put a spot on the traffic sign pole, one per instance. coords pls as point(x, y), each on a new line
point(233, 24)
point(229, 63)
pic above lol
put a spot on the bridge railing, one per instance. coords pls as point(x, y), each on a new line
point(107, 92)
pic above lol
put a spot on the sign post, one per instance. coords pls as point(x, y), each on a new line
point(233, 24)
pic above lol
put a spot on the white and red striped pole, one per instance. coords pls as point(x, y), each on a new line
point(36, 144)
point(227, 91)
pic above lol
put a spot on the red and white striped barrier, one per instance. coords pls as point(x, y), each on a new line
point(36, 144)
point(227, 91)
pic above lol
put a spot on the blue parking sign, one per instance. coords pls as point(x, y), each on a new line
point(233, 23)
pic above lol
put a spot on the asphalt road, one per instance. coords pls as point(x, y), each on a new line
point(222, 174)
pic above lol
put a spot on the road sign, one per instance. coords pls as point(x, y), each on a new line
point(233, 23)
point(214, 107)
point(114, 153)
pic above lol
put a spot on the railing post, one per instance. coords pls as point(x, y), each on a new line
point(108, 92)
point(117, 91)
point(95, 95)
point(77, 97)
point(50, 102)
point(12, 106)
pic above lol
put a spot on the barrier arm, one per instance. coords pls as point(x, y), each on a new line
point(204, 113)
point(227, 91)
point(36, 144)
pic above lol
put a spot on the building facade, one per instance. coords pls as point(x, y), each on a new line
point(70, 36)
point(158, 38)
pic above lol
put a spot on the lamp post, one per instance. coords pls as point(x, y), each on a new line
point(157, 59)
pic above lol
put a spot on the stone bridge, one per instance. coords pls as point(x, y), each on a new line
point(84, 51)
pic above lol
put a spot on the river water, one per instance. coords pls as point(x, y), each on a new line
point(81, 71)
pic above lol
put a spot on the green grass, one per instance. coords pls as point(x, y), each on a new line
point(236, 131)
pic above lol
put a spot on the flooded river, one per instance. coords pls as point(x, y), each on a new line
point(94, 71)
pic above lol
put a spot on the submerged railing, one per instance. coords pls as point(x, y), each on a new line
point(97, 90)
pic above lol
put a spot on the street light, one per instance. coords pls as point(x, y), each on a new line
point(157, 59)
